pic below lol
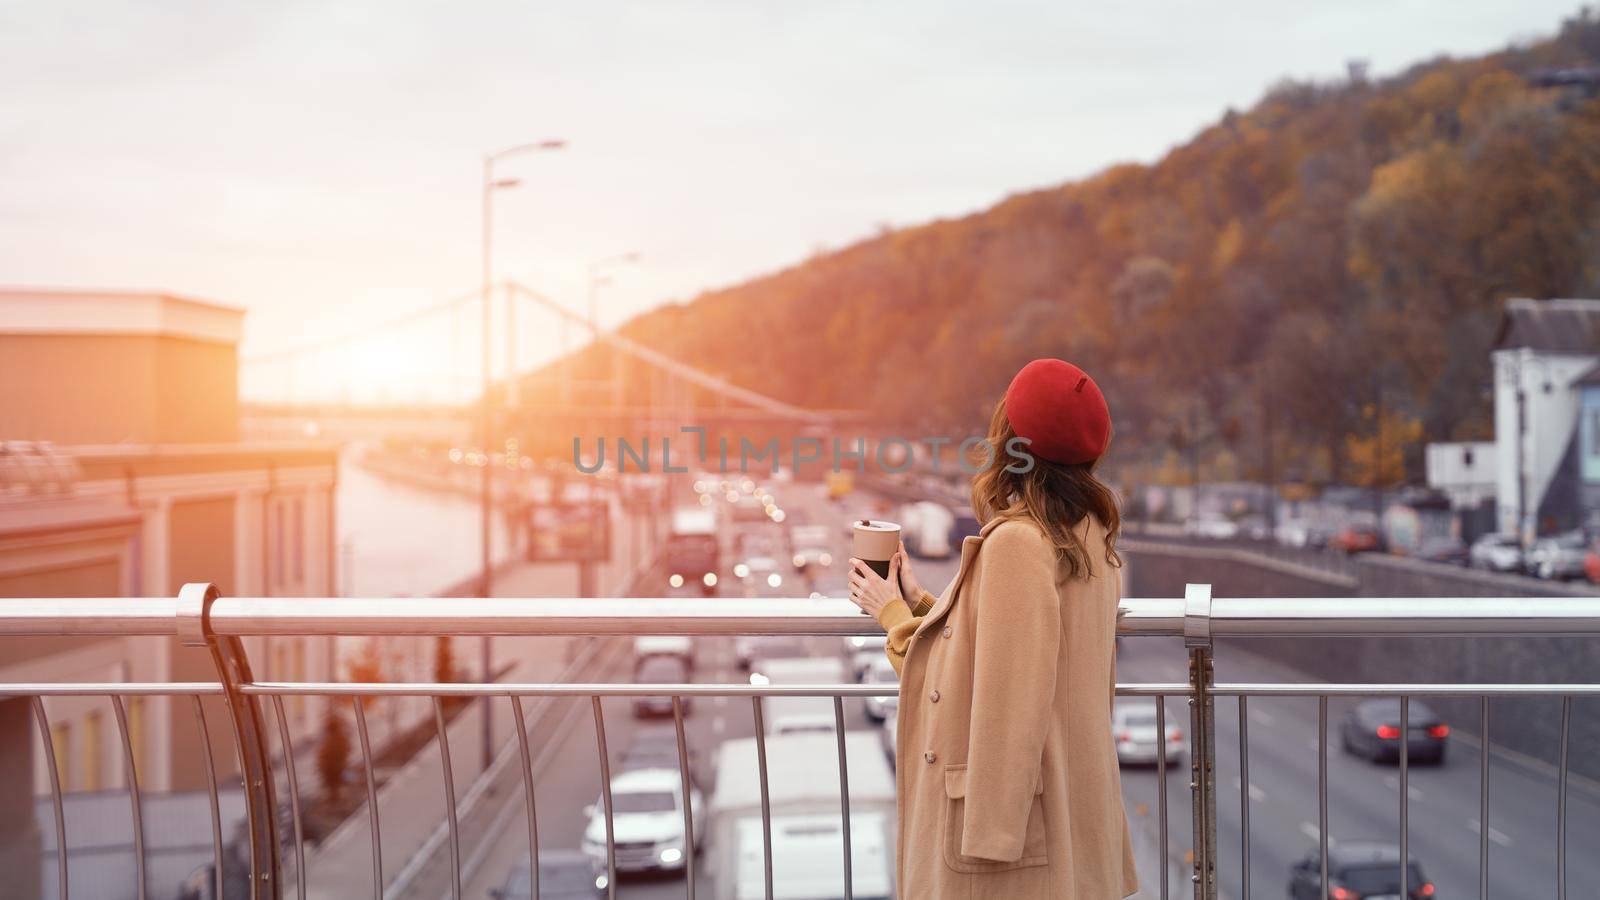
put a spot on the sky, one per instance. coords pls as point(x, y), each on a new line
point(320, 164)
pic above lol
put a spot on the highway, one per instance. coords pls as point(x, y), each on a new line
point(1363, 797)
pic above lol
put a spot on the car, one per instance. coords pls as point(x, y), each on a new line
point(1292, 533)
point(1358, 869)
point(650, 748)
point(1371, 729)
point(760, 576)
point(880, 672)
point(865, 651)
point(656, 747)
point(748, 508)
point(798, 715)
point(1443, 550)
point(1356, 539)
point(813, 547)
point(748, 648)
point(829, 584)
point(674, 645)
point(563, 875)
point(797, 669)
point(755, 542)
point(1211, 527)
point(889, 734)
point(1254, 527)
point(967, 525)
point(1134, 727)
point(1558, 556)
point(659, 670)
point(646, 821)
point(811, 556)
point(1495, 552)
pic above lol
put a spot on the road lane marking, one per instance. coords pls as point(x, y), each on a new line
point(1256, 793)
point(1495, 834)
point(1412, 791)
point(1311, 831)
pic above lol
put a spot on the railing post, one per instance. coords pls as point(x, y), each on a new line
point(1202, 725)
point(249, 733)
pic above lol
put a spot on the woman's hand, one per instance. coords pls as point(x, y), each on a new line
point(871, 592)
point(910, 590)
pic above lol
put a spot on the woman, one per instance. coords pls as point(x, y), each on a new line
point(1009, 785)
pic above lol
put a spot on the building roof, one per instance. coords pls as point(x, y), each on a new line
point(1552, 326)
point(64, 311)
point(1590, 377)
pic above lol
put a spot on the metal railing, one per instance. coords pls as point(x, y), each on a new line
point(202, 618)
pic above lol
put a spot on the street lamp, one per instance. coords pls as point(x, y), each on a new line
point(486, 421)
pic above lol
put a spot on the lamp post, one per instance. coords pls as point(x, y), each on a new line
point(486, 418)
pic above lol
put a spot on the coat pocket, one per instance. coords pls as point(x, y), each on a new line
point(1034, 852)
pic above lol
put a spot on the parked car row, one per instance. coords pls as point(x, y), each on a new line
point(1556, 557)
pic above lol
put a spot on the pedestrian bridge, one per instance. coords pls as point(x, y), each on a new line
point(268, 858)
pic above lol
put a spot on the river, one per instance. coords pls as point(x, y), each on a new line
point(401, 541)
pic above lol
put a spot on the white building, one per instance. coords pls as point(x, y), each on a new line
point(1466, 472)
point(1542, 351)
point(122, 474)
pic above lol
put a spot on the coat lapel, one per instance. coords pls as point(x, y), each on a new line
point(969, 549)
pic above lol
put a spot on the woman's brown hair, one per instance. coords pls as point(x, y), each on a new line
point(1054, 496)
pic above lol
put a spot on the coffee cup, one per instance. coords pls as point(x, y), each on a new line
point(875, 542)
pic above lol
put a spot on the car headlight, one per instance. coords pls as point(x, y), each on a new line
point(600, 882)
point(826, 559)
point(676, 580)
point(741, 570)
point(799, 560)
point(757, 678)
point(710, 579)
point(774, 579)
point(671, 855)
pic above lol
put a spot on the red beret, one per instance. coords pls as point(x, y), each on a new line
point(1060, 410)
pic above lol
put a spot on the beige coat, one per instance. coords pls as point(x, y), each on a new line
point(1008, 779)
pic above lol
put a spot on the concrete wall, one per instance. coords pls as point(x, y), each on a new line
point(112, 388)
point(1527, 725)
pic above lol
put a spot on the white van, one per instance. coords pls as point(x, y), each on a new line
point(807, 831)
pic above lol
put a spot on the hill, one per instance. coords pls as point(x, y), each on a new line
point(1325, 269)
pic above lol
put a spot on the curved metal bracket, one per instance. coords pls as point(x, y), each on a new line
point(194, 603)
point(249, 733)
point(1197, 615)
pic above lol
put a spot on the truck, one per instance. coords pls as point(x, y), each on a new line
point(925, 526)
point(692, 555)
point(807, 830)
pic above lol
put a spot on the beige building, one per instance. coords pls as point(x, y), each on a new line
point(122, 475)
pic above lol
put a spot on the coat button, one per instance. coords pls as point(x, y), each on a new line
point(933, 696)
point(947, 631)
point(929, 757)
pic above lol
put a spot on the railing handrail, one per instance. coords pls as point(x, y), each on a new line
point(565, 616)
point(201, 618)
